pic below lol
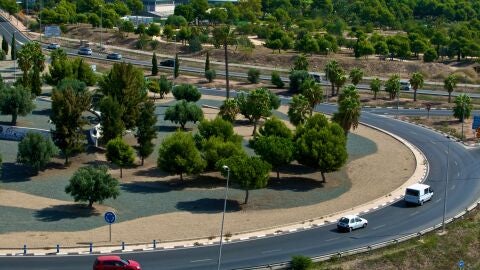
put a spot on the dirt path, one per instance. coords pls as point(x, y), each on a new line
point(185, 225)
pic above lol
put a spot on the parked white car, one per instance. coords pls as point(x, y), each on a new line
point(351, 222)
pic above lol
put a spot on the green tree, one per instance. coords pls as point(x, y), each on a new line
point(215, 149)
point(248, 172)
point(321, 145)
point(275, 127)
point(301, 63)
point(36, 151)
point(165, 86)
point(146, 130)
point(430, 55)
point(277, 80)
point(463, 107)
point(224, 35)
point(229, 110)
point(331, 72)
point(111, 119)
point(16, 100)
point(297, 77)
point(341, 79)
point(300, 262)
point(349, 109)
point(207, 62)
point(183, 112)
point(277, 151)
point(417, 82)
point(449, 84)
point(127, 27)
point(120, 153)
point(375, 87)
point(176, 67)
point(219, 128)
point(69, 100)
point(313, 92)
point(418, 46)
point(210, 75)
point(187, 92)
point(253, 75)
point(154, 64)
point(13, 48)
point(154, 87)
point(392, 86)
point(356, 75)
point(381, 48)
point(92, 184)
point(299, 110)
point(179, 155)
point(31, 61)
point(4, 44)
point(125, 85)
point(256, 104)
point(153, 30)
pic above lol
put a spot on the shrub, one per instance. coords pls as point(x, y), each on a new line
point(430, 55)
point(300, 262)
point(187, 92)
point(210, 75)
point(194, 44)
point(154, 44)
point(253, 75)
point(296, 79)
point(276, 80)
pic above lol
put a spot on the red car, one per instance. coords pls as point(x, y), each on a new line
point(115, 263)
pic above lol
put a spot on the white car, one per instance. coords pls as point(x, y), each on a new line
point(53, 46)
point(351, 222)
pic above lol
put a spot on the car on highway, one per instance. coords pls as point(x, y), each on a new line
point(85, 51)
point(53, 46)
point(351, 222)
point(418, 194)
point(114, 56)
point(405, 85)
point(167, 63)
point(115, 263)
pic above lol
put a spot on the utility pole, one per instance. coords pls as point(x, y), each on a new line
point(101, 25)
point(446, 187)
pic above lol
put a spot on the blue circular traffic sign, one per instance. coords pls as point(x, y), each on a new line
point(461, 264)
point(110, 217)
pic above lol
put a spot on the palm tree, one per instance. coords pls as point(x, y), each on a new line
point(375, 86)
point(417, 82)
point(331, 71)
point(224, 35)
point(341, 79)
point(313, 92)
point(449, 84)
point(356, 75)
point(349, 109)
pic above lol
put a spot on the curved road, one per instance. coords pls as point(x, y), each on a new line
point(385, 224)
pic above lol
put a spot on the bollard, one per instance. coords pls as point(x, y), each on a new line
point(91, 247)
point(123, 245)
point(24, 249)
point(154, 243)
point(58, 248)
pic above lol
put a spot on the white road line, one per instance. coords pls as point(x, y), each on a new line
point(438, 200)
point(455, 163)
point(378, 227)
point(453, 187)
point(433, 142)
point(270, 251)
point(414, 213)
point(328, 240)
point(203, 260)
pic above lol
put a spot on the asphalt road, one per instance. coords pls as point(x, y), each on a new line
point(384, 224)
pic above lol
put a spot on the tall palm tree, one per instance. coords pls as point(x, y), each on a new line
point(224, 35)
point(313, 92)
point(341, 79)
point(417, 82)
point(449, 84)
point(356, 75)
point(331, 71)
point(375, 86)
point(349, 109)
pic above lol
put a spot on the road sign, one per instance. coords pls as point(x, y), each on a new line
point(52, 31)
point(476, 122)
point(461, 264)
point(110, 217)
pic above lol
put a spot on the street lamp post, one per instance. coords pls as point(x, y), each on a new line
point(446, 187)
point(40, 20)
point(14, 47)
point(398, 103)
point(175, 59)
point(226, 168)
point(463, 116)
point(101, 26)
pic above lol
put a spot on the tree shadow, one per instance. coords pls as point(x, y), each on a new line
point(151, 172)
point(208, 206)
point(44, 112)
point(14, 172)
point(146, 187)
point(98, 163)
point(295, 168)
point(67, 211)
point(296, 184)
point(167, 128)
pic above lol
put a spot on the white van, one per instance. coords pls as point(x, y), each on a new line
point(418, 194)
point(405, 85)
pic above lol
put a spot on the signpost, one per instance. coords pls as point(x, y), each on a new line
point(110, 218)
point(461, 264)
point(476, 122)
point(52, 31)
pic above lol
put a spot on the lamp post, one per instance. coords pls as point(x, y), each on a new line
point(40, 20)
point(14, 47)
point(446, 187)
point(175, 59)
point(101, 26)
point(226, 168)
point(398, 101)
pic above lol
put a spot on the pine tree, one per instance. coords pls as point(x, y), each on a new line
point(176, 67)
point(154, 65)
point(4, 44)
point(13, 52)
point(146, 130)
point(207, 62)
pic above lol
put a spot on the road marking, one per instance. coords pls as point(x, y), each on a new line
point(453, 187)
point(203, 260)
point(328, 240)
point(433, 142)
point(414, 213)
point(378, 227)
point(414, 133)
point(455, 163)
point(438, 200)
point(270, 251)
point(458, 174)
